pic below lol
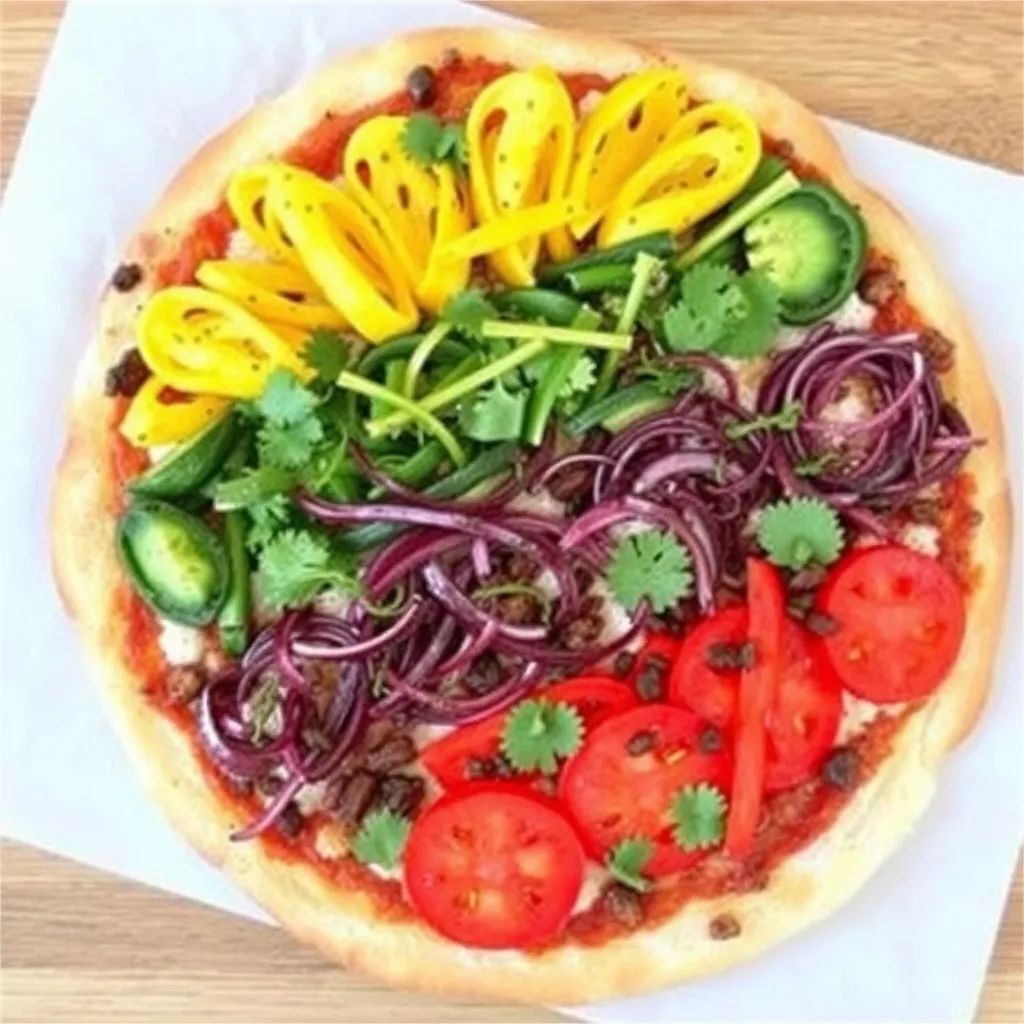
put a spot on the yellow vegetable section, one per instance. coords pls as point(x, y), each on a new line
point(626, 128)
point(247, 198)
point(709, 155)
point(520, 134)
point(151, 421)
point(203, 343)
point(418, 209)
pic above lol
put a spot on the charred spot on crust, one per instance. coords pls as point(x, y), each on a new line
point(841, 769)
point(622, 904)
point(723, 926)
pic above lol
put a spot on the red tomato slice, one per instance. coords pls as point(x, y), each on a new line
point(494, 867)
point(594, 697)
point(900, 619)
point(767, 604)
point(710, 692)
point(805, 715)
point(613, 794)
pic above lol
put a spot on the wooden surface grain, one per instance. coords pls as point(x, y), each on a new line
point(83, 946)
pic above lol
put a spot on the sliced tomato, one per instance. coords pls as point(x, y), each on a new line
point(594, 697)
point(767, 609)
point(805, 714)
point(623, 780)
point(661, 649)
point(900, 622)
point(494, 867)
point(710, 692)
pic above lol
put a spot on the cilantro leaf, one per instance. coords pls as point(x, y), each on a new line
point(581, 378)
point(626, 863)
point(381, 838)
point(651, 564)
point(786, 418)
point(284, 400)
point(295, 565)
point(289, 445)
point(709, 299)
point(537, 733)
point(798, 531)
point(751, 335)
point(816, 465)
point(699, 816)
point(428, 140)
point(669, 380)
point(493, 414)
point(326, 353)
point(468, 310)
point(267, 518)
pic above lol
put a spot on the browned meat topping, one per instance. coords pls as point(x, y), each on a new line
point(126, 376)
point(519, 609)
point(126, 277)
point(622, 663)
point(927, 511)
point(808, 579)
point(584, 630)
point(623, 905)
point(650, 683)
point(421, 85)
point(842, 768)
point(820, 624)
point(497, 767)
point(726, 657)
point(724, 926)
point(640, 743)
point(484, 674)
point(937, 349)
point(570, 484)
point(395, 752)
point(184, 684)
point(519, 568)
point(710, 740)
point(350, 798)
point(289, 823)
point(402, 794)
point(800, 605)
point(879, 286)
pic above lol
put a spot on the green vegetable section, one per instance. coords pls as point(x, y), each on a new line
point(233, 620)
point(175, 561)
point(190, 465)
point(659, 244)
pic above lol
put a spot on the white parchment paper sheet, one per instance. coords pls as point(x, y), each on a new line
point(131, 90)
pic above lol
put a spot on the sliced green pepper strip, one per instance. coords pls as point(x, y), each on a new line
point(620, 341)
point(253, 487)
point(775, 190)
point(424, 350)
point(191, 464)
point(618, 402)
point(233, 620)
point(402, 348)
point(610, 277)
point(453, 392)
point(408, 412)
point(491, 463)
point(415, 470)
point(643, 271)
point(538, 304)
point(658, 243)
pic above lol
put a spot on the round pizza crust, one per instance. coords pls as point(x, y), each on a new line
point(345, 924)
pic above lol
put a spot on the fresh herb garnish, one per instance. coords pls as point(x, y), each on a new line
point(669, 380)
point(538, 732)
point(428, 140)
point(326, 353)
point(582, 376)
point(295, 565)
point(734, 315)
point(468, 310)
point(266, 519)
point(816, 465)
point(786, 418)
point(798, 531)
point(381, 839)
point(513, 589)
point(627, 861)
point(699, 816)
point(285, 400)
point(291, 429)
point(493, 414)
point(650, 565)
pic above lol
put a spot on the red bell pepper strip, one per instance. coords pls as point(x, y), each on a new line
point(767, 605)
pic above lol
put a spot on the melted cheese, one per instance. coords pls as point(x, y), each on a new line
point(923, 538)
point(858, 714)
point(181, 645)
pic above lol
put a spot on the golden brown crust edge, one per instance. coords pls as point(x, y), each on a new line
point(808, 887)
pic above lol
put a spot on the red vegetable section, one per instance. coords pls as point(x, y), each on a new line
point(494, 868)
point(900, 622)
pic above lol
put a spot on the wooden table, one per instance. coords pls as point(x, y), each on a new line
point(83, 946)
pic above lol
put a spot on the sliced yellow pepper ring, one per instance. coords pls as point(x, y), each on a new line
point(273, 292)
point(247, 198)
point(519, 134)
point(507, 231)
point(629, 124)
point(150, 421)
point(417, 209)
point(709, 157)
point(345, 252)
point(200, 342)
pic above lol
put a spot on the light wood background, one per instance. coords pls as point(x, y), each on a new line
point(82, 946)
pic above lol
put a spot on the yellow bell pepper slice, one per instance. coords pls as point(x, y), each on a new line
point(345, 252)
point(520, 134)
point(151, 421)
point(710, 155)
point(417, 208)
point(507, 231)
point(273, 292)
point(626, 128)
point(247, 199)
point(200, 342)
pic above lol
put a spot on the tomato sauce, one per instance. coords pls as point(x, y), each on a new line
point(793, 818)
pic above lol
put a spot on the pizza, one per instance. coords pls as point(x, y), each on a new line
point(538, 523)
